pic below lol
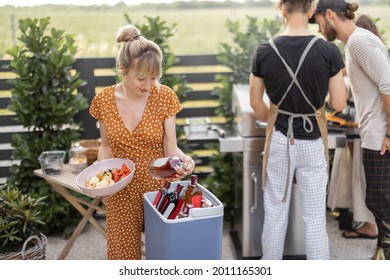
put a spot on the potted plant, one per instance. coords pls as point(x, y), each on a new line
point(19, 217)
point(45, 100)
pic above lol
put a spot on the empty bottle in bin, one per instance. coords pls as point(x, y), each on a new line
point(185, 212)
point(172, 203)
point(191, 191)
point(188, 196)
point(162, 196)
point(194, 182)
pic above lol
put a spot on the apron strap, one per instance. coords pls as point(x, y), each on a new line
point(290, 71)
point(307, 123)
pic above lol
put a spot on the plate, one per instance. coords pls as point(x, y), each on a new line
point(101, 166)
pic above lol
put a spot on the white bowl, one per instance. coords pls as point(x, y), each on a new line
point(100, 166)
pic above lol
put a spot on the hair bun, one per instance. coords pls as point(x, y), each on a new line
point(354, 6)
point(127, 33)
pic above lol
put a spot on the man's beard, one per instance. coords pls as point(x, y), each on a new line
point(330, 33)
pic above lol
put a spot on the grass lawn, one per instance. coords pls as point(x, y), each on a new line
point(198, 31)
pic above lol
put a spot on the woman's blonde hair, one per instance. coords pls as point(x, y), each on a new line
point(139, 52)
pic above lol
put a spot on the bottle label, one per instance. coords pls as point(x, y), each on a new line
point(160, 162)
point(169, 210)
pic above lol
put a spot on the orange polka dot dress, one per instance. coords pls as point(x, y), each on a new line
point(124, 210)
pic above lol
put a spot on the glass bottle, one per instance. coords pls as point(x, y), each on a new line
point(78, 158)
point(185, 212)
point(163, 195)
point(194, 182)
point(162, 168)
point(197, 195)
point(188, 196)
point(173, 200)
point(191, 191)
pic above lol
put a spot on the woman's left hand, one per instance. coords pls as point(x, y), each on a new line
point(186, 169)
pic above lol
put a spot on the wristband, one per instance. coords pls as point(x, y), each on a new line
point(387, 135)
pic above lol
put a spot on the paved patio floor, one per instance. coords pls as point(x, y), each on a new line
point(92, 246)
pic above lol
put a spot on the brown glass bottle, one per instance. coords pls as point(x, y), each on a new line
point(194, 182)
point(191, 190)
point(188, 196)
point(162, 168)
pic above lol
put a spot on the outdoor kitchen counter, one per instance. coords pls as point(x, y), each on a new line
point(231, 141)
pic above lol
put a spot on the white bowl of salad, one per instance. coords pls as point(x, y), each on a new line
point(106, 177)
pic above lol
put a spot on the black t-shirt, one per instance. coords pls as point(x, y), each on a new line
point(323, 61)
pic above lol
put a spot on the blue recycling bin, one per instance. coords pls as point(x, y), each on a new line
point(196, 237)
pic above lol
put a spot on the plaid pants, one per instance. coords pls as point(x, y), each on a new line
point(377, 172)
point(308, 163)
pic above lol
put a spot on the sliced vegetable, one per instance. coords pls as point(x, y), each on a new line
point(124, 170)
point(115, 175)
point(100, 175)
point(123, 175)
point(108, 177)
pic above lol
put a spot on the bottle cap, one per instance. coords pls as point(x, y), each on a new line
point(194, 179)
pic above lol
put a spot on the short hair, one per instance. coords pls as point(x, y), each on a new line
point(296, 5)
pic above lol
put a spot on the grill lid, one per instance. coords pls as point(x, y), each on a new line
point(244, 116)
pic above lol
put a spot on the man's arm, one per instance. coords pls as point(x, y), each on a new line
point(386, 105)
point(256, 90)
point(338, 92)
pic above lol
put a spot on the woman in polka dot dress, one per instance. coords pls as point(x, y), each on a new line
point(137, 119)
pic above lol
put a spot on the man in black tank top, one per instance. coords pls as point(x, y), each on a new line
point(296, 70)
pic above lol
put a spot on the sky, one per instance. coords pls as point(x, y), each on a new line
point(78, 2)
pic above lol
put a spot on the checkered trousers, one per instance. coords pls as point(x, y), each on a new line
point(377, 172)
point(308, 163)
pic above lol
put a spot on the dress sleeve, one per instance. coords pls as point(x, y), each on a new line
point(94, 108)
point(174, 105)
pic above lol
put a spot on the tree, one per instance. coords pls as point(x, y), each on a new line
point(45, 101)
